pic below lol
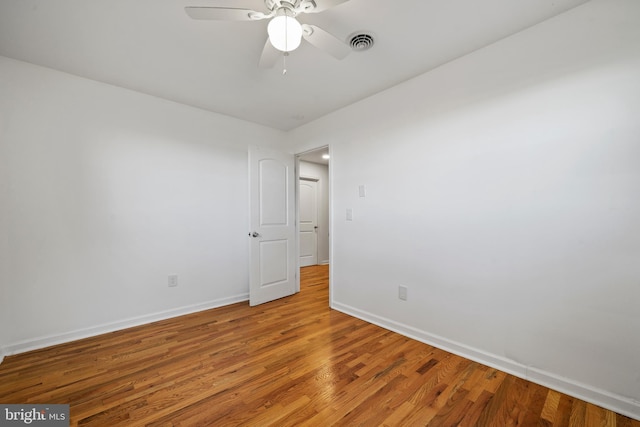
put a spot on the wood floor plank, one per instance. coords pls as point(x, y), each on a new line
point(476, 410)
point(533, 415)
point(563, 411)
point(290, 362)
point(550, 406)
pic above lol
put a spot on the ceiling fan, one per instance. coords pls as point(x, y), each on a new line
point(284, 31)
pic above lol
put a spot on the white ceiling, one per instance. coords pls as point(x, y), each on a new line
point(153, 47)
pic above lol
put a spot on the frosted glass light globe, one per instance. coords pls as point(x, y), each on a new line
point(285, 33)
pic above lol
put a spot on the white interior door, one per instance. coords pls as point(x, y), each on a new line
point(272, 273)
point(308, 211)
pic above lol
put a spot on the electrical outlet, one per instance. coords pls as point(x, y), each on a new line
point(173, 280)
point(402, 293)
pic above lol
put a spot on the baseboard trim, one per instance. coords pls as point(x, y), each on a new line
point(47, 341)
point(614, 402)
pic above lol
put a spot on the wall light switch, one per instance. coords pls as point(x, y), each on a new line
point(362, 191)
point(349, 214)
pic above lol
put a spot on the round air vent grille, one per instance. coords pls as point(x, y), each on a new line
point(361, 41)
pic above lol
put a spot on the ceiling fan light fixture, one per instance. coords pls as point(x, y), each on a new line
point(285, 33)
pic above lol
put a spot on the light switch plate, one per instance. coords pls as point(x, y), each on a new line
point(349, 214)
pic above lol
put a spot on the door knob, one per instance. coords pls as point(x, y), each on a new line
point(255, 234)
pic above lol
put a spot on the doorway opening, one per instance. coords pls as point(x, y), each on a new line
point(313, 181)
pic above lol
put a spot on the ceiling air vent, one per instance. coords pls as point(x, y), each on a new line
point(361, 41)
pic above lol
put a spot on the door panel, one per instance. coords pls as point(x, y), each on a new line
point(272, 273)
point(308, 211)
point(273, 192)
point(274, 265)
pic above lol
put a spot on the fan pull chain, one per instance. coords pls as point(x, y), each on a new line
point(286, 48)
point(284, 63)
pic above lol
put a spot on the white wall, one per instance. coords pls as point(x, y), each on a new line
point(321, 172)
point(106, 193)
point(503, 190)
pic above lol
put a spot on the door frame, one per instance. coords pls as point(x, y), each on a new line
point(330, 213)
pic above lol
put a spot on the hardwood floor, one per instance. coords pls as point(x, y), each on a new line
point(291, 362)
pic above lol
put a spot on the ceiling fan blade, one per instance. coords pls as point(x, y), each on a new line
point(224, 13)
point(322, 5)
point(325, 41)
point(269, 55)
